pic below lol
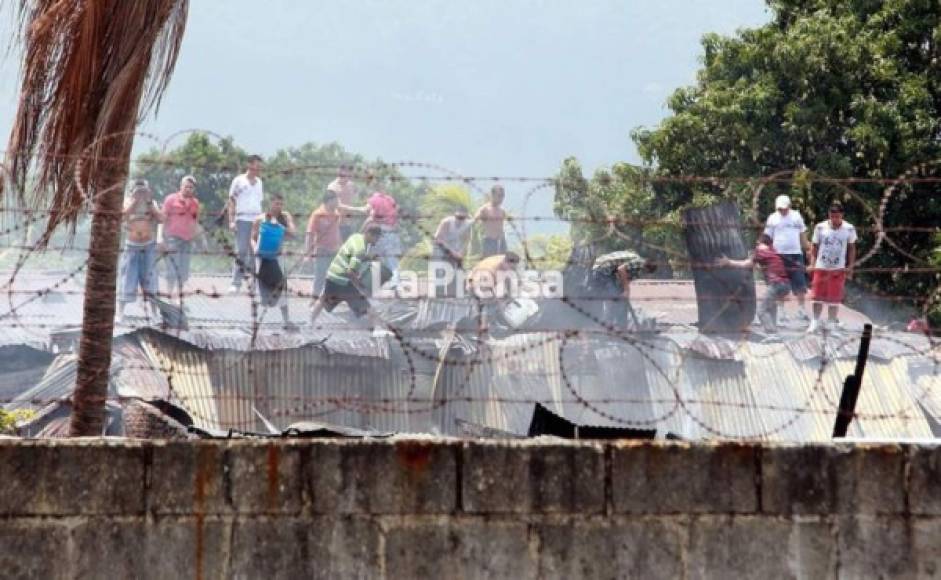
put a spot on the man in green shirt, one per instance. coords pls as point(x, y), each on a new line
point(345, 277)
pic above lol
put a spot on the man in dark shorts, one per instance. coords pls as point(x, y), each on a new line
point(346, 277)
point(788, 236)
point(269, 231)
point(776, 276)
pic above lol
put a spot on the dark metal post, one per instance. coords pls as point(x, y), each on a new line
point(851, 387)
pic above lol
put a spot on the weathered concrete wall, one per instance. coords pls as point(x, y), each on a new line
point(418, 509)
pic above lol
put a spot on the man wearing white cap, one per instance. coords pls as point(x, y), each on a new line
point(789, 239)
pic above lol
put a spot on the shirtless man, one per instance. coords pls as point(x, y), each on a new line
point(346, 192)
point(141, 216)
point(492, 216)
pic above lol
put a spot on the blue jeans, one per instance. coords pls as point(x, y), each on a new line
point(179, 253)
point(137, 270)
point(796, 271)
point(244, 258)
point(321, 265)
point(493, 246)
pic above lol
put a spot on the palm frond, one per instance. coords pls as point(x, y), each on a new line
point(92, 68)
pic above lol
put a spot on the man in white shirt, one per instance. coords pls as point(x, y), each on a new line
point(789, 239)
point(833, 258)
point(245, 198)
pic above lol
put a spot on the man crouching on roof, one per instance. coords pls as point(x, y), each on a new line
point(346, 277)
point(493, 282)
point(609, 286)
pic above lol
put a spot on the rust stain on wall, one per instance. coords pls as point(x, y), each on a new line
point(415, 457)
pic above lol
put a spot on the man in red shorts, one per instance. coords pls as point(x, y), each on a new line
point(832, 258)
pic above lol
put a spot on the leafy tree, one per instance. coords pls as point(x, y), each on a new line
point(301, 174)
point(436, 202)
point(828, 88)
point(9, 419)
point(618, 208)
point(213, 164)
point(839, 88)
point(547, 252)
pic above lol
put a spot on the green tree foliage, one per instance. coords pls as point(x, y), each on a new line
point(829, 88)
point(10, 419)
point(547, 251)
point(300, 174)
point(212, 162)
point(435, 203)
point(618, 208)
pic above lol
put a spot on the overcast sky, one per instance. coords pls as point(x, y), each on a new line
point(489, 87)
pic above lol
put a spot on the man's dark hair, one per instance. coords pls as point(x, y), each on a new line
point(836, 206)
point(277, 197)
point(512, 257)
point(329, 196)
point(765, 239)
point(650, 266)
point(253, 158)
point(373, 230)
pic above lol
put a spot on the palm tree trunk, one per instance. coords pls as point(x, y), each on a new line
point(94, 354)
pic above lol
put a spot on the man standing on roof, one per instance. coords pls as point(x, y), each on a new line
point(268, 233)
point(384, 212)
point(450, 243)
point(181, 224)
point(245, 198)
point(141, 216)
point(833, 257)
point(346, 192)
point(789, 238)
point(346, 279)
point(323, 238)
point(492, 217)
point(609, 286)
point(776, 276)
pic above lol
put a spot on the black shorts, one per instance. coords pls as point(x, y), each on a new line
point(271, 283)
point(334, 294)
point(796, 271)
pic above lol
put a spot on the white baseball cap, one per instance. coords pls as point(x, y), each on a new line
point(782, 202)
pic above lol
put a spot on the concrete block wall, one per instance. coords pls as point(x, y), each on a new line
point(452, 509)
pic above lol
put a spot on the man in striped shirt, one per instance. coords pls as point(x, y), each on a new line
point(346, 276)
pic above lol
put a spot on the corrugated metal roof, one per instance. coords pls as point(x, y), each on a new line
point(427, 378)
point(220, 388)
point(762, 393)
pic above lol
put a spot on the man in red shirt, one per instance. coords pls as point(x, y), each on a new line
point(180, 227)
point(323, 238)
point(384, 212)
point(776, 276)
